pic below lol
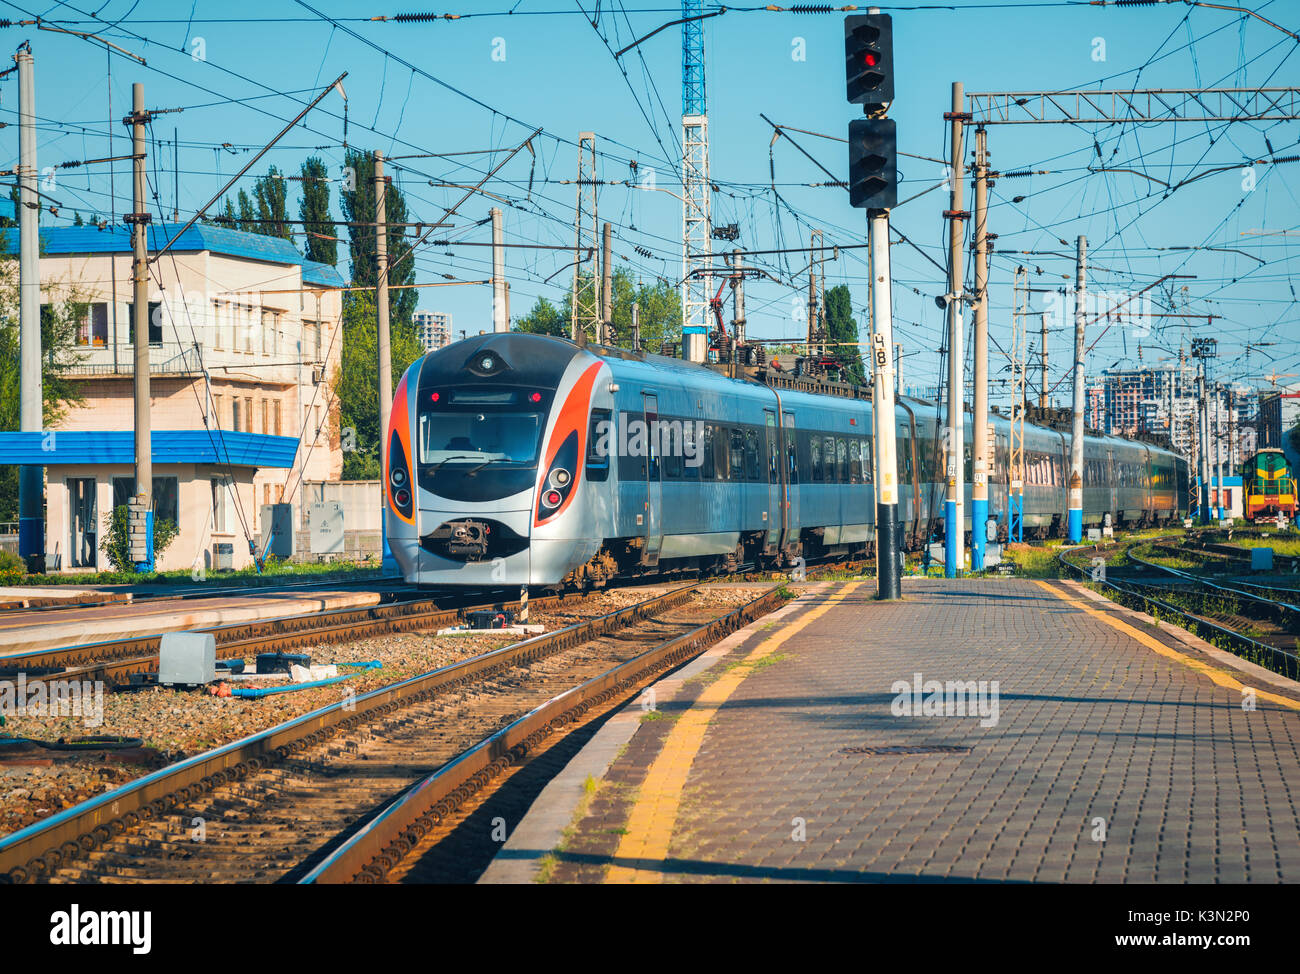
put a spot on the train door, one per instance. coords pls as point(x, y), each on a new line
point(653, 481)
point(772, 460)
point(1112, 484)
point(790, 500)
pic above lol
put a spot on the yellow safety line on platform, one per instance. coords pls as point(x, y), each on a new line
point(653, 817)
point(1220, 677)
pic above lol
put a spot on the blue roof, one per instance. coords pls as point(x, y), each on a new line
point(91, 239)
point(314, 272)
point(169, 446)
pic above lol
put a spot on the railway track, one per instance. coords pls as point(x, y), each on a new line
point(1263, 628)
point(116, 661)
point(344, 792)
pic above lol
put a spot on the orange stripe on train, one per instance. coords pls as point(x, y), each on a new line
point(573, 416)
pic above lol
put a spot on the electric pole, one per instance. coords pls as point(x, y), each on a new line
point(898, 368)
point(383, 336)
point(500, 314)
point(954, 519)
point(607, 285)
point(140, 510)
point(1074, 511)
point(1042, 387)
point(738, 299)
point(979, 505)
point(31, 479)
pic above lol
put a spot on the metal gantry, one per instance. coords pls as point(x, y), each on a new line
point(584, 312)
point(1147, 105)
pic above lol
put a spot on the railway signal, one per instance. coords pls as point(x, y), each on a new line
point(869, 60)
point(873, 163)
point(873, 186)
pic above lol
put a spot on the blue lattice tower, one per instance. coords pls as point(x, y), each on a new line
point(696, 209)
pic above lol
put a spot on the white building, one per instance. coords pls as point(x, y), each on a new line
point(433, 329)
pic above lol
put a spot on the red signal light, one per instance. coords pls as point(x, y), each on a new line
point(536, 397)
point(871, 59)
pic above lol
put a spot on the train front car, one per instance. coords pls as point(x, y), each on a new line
point(490, 435)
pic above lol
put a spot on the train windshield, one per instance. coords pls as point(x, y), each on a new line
point(478, 437)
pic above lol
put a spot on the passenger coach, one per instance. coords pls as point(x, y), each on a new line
point(523, 459)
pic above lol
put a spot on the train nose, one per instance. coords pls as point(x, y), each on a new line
point(473, 539)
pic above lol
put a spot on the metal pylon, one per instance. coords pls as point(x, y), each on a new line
point(584, 314)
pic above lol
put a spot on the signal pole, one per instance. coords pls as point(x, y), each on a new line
point(140, 517)
point(31, 479)
point(1074, 513)
point(979, 503)
point(738, 299)
point(954, 520)
point(500, 315)
point(888, 536)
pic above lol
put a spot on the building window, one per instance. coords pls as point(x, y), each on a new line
point(266, 415)
point(220, 501)
point(155, 322)
point(275, 414)
point(166, 497)
point(217, 324)
point(93, 330)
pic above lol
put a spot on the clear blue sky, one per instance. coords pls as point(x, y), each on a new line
point(546, 65)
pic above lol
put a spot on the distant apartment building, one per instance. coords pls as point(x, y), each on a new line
point(1279, 412)
point(1162, 400)
point(244, 340)
point(433, 329)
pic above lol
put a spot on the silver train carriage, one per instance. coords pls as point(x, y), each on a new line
point(523, 459)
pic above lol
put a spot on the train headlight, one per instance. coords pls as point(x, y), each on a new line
point(559, 483)
point(398, 476)
point(560, 477)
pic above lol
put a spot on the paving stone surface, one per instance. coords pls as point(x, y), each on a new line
point(1093, 732)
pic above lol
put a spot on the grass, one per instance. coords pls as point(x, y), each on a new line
point(759, 664)
point(273, 568)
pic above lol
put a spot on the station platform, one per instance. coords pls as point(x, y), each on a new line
point(35, 630)
point(1071, 740)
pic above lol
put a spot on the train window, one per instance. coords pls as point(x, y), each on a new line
point(841, 461)
point(855, 461)
point(773, 456)
point(737, 455)
point(815, 457)
point(600, 436)
point(828, 458)
point(753, 465)
point(673, 449)
point(791, 458)
point(868, 467)
point(721, 453)
point(706, 451)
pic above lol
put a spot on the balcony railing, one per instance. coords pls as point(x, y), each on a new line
point(165, 358)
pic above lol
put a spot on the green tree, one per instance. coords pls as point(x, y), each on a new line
point(314, 211)
point(60, 320)
point(247, 215)
point(355, 386)
point(358, 205)
point(659, 311)
point(544, 319)
point(77, 221)
point(271, 194)
point(842, 333)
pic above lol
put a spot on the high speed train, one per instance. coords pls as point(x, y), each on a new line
point(523, 459)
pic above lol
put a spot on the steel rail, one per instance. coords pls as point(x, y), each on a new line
point(40, 848)
point(383, 841)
